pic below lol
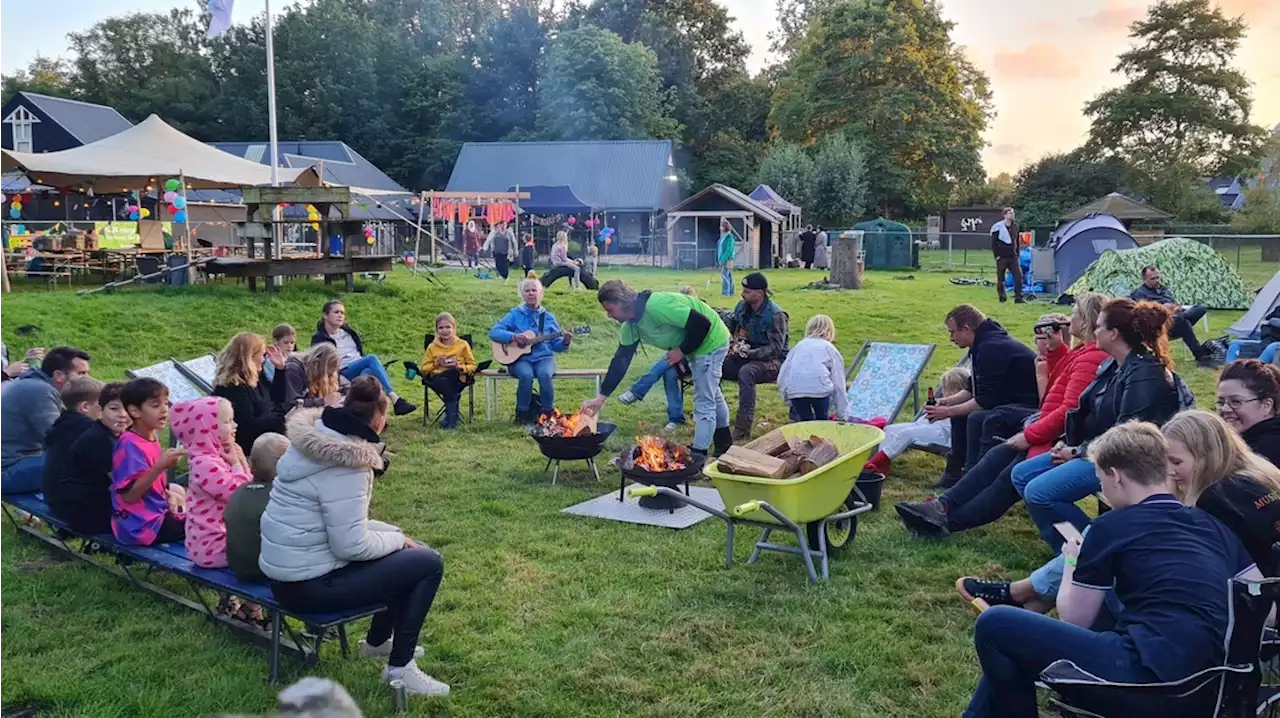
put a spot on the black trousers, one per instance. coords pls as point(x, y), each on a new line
point(1008, 264)
point(171, 530)
point(1183, 328)
point(502, 263)
point(974, 435)
point(448, 384)
point(985, 492)
point(406, 581)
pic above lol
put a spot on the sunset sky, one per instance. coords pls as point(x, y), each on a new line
point(1045, 58)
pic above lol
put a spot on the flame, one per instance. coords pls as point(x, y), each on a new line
point(560, 424)
point(654, 455)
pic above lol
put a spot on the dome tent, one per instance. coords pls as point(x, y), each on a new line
point(1194, 272)
point(1077, 244)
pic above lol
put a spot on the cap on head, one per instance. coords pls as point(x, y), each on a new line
point(756, 281)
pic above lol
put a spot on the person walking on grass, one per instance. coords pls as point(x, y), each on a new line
point(1004, 245)
point(726, 248)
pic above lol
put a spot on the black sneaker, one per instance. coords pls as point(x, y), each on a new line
point(982, 593)
point(927, 518)
point(403, 407)
point(1208, 362)
point(946, 480)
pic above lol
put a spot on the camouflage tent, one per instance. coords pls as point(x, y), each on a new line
point(1194, 272)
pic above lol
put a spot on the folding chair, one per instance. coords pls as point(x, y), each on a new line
point(884, 373)
point(1234, 686)
point(938, 449)
point(412, 370)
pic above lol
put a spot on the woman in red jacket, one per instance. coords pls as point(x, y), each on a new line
point(986, 492)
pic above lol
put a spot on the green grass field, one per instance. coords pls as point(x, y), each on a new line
point(540, 614)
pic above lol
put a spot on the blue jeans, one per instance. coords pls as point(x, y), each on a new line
point(369, 365)
point(22, 476)
point(525, 371)
point(726, 281)
point(710, 410)
point(812, 409)
point(670, 382)
point(1051, 493)
point(1268, 354)
point(1014, 645)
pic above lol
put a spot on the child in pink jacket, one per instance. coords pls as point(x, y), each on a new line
point(206, 428)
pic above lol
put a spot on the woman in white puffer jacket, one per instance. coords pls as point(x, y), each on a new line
point(811, 379)
point(322, 552)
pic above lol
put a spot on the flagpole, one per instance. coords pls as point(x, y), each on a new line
point(271, 98)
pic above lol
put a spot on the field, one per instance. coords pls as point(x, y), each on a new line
point(541, 613)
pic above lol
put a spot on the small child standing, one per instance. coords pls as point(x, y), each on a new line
point(593, 260)
point(811, 379)
point(527, 253)
point(243, 515)
point(900, 437)
point(81, 493)
point(449, 364)
point(147, 509)
point(206, 428)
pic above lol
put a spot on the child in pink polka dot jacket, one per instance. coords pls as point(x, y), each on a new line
point(207, 430)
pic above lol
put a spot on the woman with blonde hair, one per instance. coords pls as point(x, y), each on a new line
point(560, 258)
point(313, 377)
point(258, 405)
point(811, 379)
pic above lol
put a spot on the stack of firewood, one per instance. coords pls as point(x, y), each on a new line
point(773, 456)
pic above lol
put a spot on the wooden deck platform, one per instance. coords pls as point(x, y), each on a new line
point(330, 267)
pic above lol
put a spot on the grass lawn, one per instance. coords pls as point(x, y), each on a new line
point(541, 613)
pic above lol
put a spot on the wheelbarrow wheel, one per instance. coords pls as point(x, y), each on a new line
point(839, 533)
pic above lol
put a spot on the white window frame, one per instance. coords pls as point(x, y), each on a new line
point(22, 123)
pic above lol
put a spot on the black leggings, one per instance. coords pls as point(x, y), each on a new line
point(502, 263)
point(406, 581)
point(171, 530)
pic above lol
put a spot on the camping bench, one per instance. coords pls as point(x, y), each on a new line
point(172, 558)
point(493, 376)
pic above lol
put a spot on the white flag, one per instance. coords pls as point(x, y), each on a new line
point(221, 20)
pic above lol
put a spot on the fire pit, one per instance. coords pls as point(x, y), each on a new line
point(654, 461)
point(570, 437)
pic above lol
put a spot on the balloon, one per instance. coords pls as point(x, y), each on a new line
point(20, 229)
point(133, 216)
point(133, 209)
point(608, 241)
point(370, 240)
point(573, 221)
point(16, 204)
point(15, 212)
point(172, 185)
point(410, 260)
point(180, 202)
point(144, 212)
point(180, 216)
point(315, 226)
point(2, 198)
point(170, 196)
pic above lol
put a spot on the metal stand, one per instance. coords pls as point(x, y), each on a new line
point(556, 473)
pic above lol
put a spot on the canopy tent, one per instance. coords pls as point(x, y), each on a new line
point(1194, 272)
point(1076, 245)
point(144, 154)
point(552, 199)
point(1124, 208)
point(769, 197)
point(1265, 303)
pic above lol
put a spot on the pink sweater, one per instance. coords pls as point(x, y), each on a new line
point(212, 480)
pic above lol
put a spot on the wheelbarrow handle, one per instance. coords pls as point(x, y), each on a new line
point(743, 509)
point(638, 491)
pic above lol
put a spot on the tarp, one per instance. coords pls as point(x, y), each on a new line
point(144, 154)
point(551, 199)
point(769, 197)
point(1266, 301)
point(1120, 207)
point(1194, 272)
point(1077, 245)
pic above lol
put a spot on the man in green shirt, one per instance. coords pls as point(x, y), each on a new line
point(684, 326)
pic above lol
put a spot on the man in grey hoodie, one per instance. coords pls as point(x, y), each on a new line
point(30, 407)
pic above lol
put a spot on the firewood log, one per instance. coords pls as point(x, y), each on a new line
point(821, 455)
point(772, 443)
point(740, 460)
point(793, 464)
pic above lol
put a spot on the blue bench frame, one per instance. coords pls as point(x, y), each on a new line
point(172, 558)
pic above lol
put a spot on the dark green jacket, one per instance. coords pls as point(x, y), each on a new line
point(244, 536)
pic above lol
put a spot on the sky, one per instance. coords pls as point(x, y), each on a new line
point(1045, 58)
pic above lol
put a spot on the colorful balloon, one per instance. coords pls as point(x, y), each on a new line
point(144, 212)
point(133, 216)
point(170, 196)
point(172, 185)
point(180, 216)
point(14, 212)
point(180, 202)
point(573, 221)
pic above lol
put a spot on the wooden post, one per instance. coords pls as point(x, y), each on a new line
point(186, 230)
point(844, 261)
point(417, 237)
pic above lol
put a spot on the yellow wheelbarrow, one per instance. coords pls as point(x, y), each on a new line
point(820, 508)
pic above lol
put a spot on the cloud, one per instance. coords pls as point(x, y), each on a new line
point(1038, 61)
point(1116, 16)
point(1008, 149)
point(1253, 10)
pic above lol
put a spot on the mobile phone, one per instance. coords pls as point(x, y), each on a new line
point(1068, 531)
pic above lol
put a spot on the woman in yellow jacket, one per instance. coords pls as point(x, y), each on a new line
point(449, 365)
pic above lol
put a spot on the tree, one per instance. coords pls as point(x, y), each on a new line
point(1183, 102)
point(886, 73)
point(994, 192)
point(789, 171)
point(503, 81)
point(45, 75)
point(1261, 211)
point(728, 159)
point(793, 17)
point(596, 87)
point(1056, 184)
point(839, 182)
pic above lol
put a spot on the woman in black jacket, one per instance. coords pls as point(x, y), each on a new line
point(259, 406)
point(1136, 383)
point(1249, 400)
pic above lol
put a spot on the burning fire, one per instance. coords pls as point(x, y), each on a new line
point(564, 425)
point(655, 454)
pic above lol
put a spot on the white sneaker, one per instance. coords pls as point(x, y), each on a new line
point(383, 651)
point(416, 682)
point(670, 427)
point(627, 398)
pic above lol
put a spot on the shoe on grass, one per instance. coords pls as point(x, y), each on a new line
point(926, 518)
point(671, 426)
point(982, 593)
point(626, 398)
point(403, 407)
point(416, 683)
point(384, 651)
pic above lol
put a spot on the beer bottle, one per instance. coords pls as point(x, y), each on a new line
point(932, 400)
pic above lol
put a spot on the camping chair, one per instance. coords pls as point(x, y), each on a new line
point(939, 449)
point(412, 371)
point(1236, 682)
point(884, 373)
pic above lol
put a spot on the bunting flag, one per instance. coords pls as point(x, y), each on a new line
point(220, 17)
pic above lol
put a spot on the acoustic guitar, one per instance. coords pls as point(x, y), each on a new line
point(508, 353)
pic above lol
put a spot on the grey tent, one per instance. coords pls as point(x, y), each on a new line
point(1078, 243)
point(1266, 302)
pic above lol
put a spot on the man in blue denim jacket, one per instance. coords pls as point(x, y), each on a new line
point(529, 325)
